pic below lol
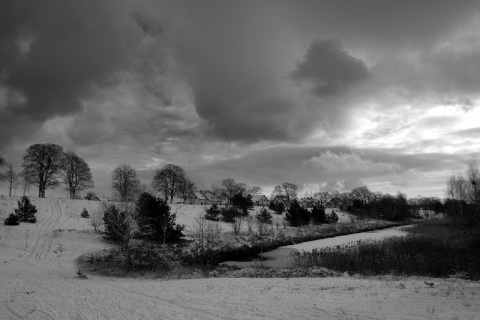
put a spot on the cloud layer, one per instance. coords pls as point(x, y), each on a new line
point(265, 90)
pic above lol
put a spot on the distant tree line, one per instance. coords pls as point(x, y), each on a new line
point(47, 166)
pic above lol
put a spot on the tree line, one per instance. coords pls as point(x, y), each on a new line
point(47, 166)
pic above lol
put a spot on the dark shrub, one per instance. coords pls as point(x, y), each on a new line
point(278, 208)
point(155, 219)
point(229, 214)
point(242, 203)
point(84, 213)
point(114, 222)
point(212, 213)
point(264, 216)
point(297, 215)
point(91, 196)
point(332, 217)
point(318, 215)
point(26, 210)
point(12, 220)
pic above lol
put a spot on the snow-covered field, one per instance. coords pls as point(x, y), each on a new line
point(38, 281)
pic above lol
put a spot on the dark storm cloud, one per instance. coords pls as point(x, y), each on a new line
point(232, 55)
point(387, 25)
point(330, 68)
point(55, 52)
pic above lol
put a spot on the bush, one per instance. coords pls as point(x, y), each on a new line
point(318, 215)
point(242, 203)
point(264, 216)
point(278, 208)
point(332, 217)
point(26, 210)
point(155, 219)
point(145, 257)
point(84, 213)
point(91, 196)
point(297, 215)
point(229, 214)
point(12, 220)
point(212, 213)
point(417, 254)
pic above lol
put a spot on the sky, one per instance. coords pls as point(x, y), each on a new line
point(330, 95)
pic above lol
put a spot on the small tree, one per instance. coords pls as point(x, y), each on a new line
point(10, 176)
point(96, 218)
point(112, 220)
point(264, 220)
point(12, 220)
point(318, 215)
point(278, 207)
point(237, 224)
point(84, 213)
point(264, 216)
point(91, 196)
point(297, 215)
point(229, 214)
point(206, 238)
point(242, 203)
point(332, 217)
point(155, 219)
point(26, 210)
point(250, 223)
point(212, 213)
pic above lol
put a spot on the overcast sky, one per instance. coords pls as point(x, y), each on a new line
point(326, 94)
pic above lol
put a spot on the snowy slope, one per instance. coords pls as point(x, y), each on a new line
point(38, 281)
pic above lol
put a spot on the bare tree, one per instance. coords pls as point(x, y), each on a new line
point(473, 177)
point(286, 189)
point(2, 161)
point(96, 217)
point(253, 190)
point(231, 188)
point(206, 238)
point(168, 180)
point(10, 176)
point(125, 183)
point(186, 187)
point(24, 183)
point(42, 165)
point(322, 197)
point(464, 195)
point(77, 174)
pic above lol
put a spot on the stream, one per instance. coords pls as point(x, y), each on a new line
point(280, 257)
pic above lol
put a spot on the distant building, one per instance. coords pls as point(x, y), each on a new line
point(308, 202)
point(281, 199)
point(202, 197)
point(260, 200)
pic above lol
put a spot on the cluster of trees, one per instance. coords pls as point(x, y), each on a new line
point(285, 189)
point(297, 215)
point(170, 181)
point(46, 166)
point(463, 196)
point(365, 203)
point(148, 217)
point(24, 213)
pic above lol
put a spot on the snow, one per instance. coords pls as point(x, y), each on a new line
point(38, 281)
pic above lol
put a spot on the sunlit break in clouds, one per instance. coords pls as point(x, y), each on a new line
point(329, 95)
